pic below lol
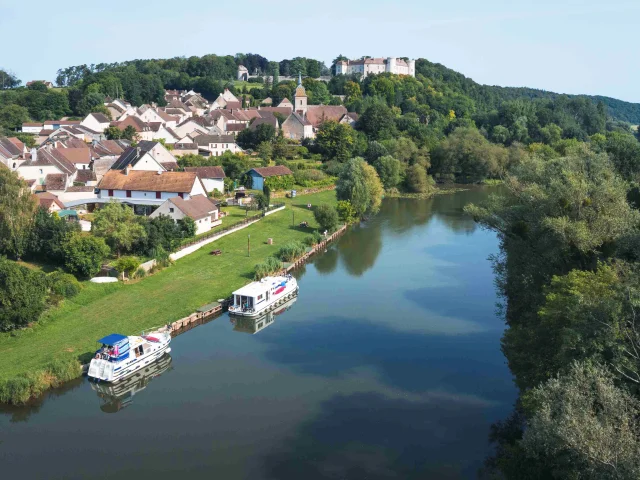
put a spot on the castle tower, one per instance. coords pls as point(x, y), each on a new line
point(300, 98)
point(412, 68)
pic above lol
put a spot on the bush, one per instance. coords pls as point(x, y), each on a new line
point(64, 284)
point(313, 239)
point(270, 266)
point(312, 178)
point(290, 251)
point(140, 273)
point(326, 216)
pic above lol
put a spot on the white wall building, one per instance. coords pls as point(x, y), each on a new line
point(203, 211)
point(212, 177)
point(370, 66)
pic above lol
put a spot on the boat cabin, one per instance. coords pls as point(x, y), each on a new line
point(253, 295)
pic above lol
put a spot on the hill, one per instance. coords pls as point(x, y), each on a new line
point(489, 97)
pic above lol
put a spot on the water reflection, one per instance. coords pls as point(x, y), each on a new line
point(360, 249)
point(116, 396)
point(253, 325)
point(327, 262)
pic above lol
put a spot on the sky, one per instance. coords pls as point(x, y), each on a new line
point(566, 46)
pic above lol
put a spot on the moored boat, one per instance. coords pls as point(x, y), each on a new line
point(261, 296)
point(121, 356)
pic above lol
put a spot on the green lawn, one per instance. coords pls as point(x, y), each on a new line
point(250, 86)
point(173, 293)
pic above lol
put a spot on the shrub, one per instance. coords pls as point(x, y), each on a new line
point(269, 266)
point(326, 216)
point(290, 251)
point(313, 239)
point(64, 284)
point(23, 295)
point(140, 273)
point(15, 390)
point(312, 178)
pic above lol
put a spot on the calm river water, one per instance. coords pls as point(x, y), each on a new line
point(388, 365)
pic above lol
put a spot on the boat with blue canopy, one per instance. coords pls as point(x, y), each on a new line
point(120, 355)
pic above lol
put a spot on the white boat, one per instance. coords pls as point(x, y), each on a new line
point(259, 297)
point(121, 356)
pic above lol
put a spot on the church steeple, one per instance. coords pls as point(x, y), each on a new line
point(300, 98)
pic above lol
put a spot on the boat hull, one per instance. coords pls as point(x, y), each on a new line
point(273, 304)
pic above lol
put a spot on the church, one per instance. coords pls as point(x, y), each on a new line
point(305, 119)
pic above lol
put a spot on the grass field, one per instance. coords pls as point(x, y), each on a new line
point(173, 293)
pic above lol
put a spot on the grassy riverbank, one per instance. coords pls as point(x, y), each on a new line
point(199, 278)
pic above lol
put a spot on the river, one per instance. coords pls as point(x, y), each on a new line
point(387, 366)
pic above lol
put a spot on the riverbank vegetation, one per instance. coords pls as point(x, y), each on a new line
point(99, 309)
point(569, 227)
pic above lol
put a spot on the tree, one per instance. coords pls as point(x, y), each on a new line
point(346, 212)
point(8, 79)
point(84, 254)
point(377, 122)
point(117, 224)
point(18, 207)
point(417, 179)
point(129, 133)
point(326, 216)
point(47, 237)
point(584, 426)
point(13, 116)
point(389, 170)
point(359, 184)
point(335, 140)
point(113, 133)
point(467, 157)
point(127, 265)
point(265, 152)
point(23, 294)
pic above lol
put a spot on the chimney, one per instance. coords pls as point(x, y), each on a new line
point(159, 172)
point(126, 170)
point(34, 154)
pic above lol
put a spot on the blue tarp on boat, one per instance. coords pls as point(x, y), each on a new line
point(113, 339)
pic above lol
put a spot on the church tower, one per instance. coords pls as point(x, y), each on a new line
point(300, 98)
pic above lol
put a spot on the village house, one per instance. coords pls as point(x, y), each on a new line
point(147, 190)
point(268, 118)
point(258, 175)
point(98, 122)
point(48, 170)
point(285, 103)
point(49, 202)
point(159, 153)
point(79, 157)
point(135, 158)
point(296, 127)
point(204, 212)
point(199, 125)
point(45, 82)
point(143, 130)
point(56, 124)
point(33, 128)
point(187, 148)
point(216, 145)
point(212, 177)
point(12, 152)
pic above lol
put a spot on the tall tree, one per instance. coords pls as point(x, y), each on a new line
point(17, 213)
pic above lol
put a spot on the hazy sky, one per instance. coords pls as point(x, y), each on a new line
point(565, 46)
